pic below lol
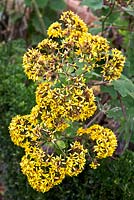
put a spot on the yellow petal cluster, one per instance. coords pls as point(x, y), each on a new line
point(23, 130)
point(105, 140)
point(72, 21)
point(76, 159)
point(67, 45)
point(114, 65)
point(43, 171)
point(59, 105)
point(94, 164)
point(55, 30)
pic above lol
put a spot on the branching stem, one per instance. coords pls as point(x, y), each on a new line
point(94, 118)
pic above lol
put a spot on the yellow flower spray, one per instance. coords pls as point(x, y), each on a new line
point(52, 135)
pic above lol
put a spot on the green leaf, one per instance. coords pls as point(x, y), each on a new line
point(115, 113)
point(109, 89)
point(61, 144)
point(72, 129)
point(130, 55)
point(71, 70)
point(28, 2)
point(80, 66)
point(129, 10)
point(95, 5)
point(78, 71)
point(57, 4)
point(124, 86)
point(95, 31)
point(36, 24)
point(42, 3)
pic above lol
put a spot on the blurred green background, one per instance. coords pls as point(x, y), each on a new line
point(23, 28)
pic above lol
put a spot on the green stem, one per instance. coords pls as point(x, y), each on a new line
point(59, 148)
point(93, 120)
point(39, 15)
point(105, 18)
point(122, 105)
point(100, 83)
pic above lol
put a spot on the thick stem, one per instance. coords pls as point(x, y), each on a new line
point(94, 118)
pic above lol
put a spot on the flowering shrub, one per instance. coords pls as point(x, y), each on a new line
point(56, 139)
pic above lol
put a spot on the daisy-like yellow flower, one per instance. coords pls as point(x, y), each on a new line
point(47, 46)
point(55, 30)
point(51, 57)
point(30, 64)
point(94, 164)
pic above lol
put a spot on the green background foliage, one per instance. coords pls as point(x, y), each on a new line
point(114, 179)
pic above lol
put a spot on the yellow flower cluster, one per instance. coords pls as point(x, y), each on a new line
point(73, 22)
point(95, 47)
point(44, 171)
point(55, 30)
point(76, 159)
point(114, 65)
point(60, 65)
point(94, 164)
point(59, 105)
point(23, 130)
point(67, 45)
point(105, 141)
point(43, 167)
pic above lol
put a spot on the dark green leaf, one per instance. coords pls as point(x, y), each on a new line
point(28, 2)
point(124, 86)
point(42, 3)
point(115, 113)
point(36, 24)
point(95, 5)
point(95, 31)
point(57, 4)
point(130, 55)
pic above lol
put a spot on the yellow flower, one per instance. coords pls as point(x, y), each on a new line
point(55, 30)
point(74, 45)
point(106, 141)
point(76, 159)
point(61, 64)
point(114, 65)
point(47, 46)
point(81, 131)
point(43, 173)
point(72, 21)
point(23, 131)
point(74, 102)
point(94, 165)
point(30, 63)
